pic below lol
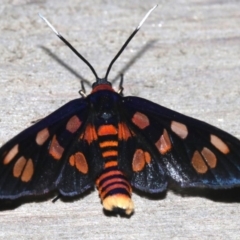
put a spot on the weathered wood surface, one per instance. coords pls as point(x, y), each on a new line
point(191, 64)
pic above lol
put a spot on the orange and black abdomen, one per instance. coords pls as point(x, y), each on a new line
point(114, 188)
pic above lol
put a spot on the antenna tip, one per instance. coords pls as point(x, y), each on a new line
point(49, 24)
point(42, 17)
point(146, 16)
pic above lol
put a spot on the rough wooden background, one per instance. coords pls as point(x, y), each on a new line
point(189, 61)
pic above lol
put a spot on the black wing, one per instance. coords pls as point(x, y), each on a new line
point(50, 155)
point(191, 153)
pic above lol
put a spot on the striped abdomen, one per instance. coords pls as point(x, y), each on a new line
point(114, 188)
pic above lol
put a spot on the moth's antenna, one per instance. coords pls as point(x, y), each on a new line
point(70, 46)
point(128, 40)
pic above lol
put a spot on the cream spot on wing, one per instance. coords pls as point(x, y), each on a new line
point(180, 129)
point(210, 157)
point(42, 136)
point(73, 124)
point(140, 120)
point(11, 154)
point(219, 144)
point(164, 144)
point(55, 150)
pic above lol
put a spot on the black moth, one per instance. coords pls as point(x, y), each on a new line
point(116, 143)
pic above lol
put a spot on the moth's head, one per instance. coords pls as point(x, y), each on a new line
point(101, 84)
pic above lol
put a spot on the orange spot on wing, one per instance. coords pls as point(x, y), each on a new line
point(28, 171)
point(198, 163)
point(23, 168)
point(140, 158)
point(123, 132)
point(210, 157)
point(42, 136)
point(55, 150)
point(104, 130)
point(81, 136)
point(72, 160)
point(90, 134)
point(19, 166)
point(79, 161)
point(164, 144)
point(140, 120)
point(219, 144)
point(147, 157)
point(138, 162)
point(73, 124)
point(11, 154)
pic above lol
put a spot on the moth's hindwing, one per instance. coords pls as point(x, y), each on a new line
point(138, 159)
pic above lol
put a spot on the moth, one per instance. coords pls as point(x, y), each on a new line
point(116, 143)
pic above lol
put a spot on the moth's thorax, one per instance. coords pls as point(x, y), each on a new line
point(104, 105)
